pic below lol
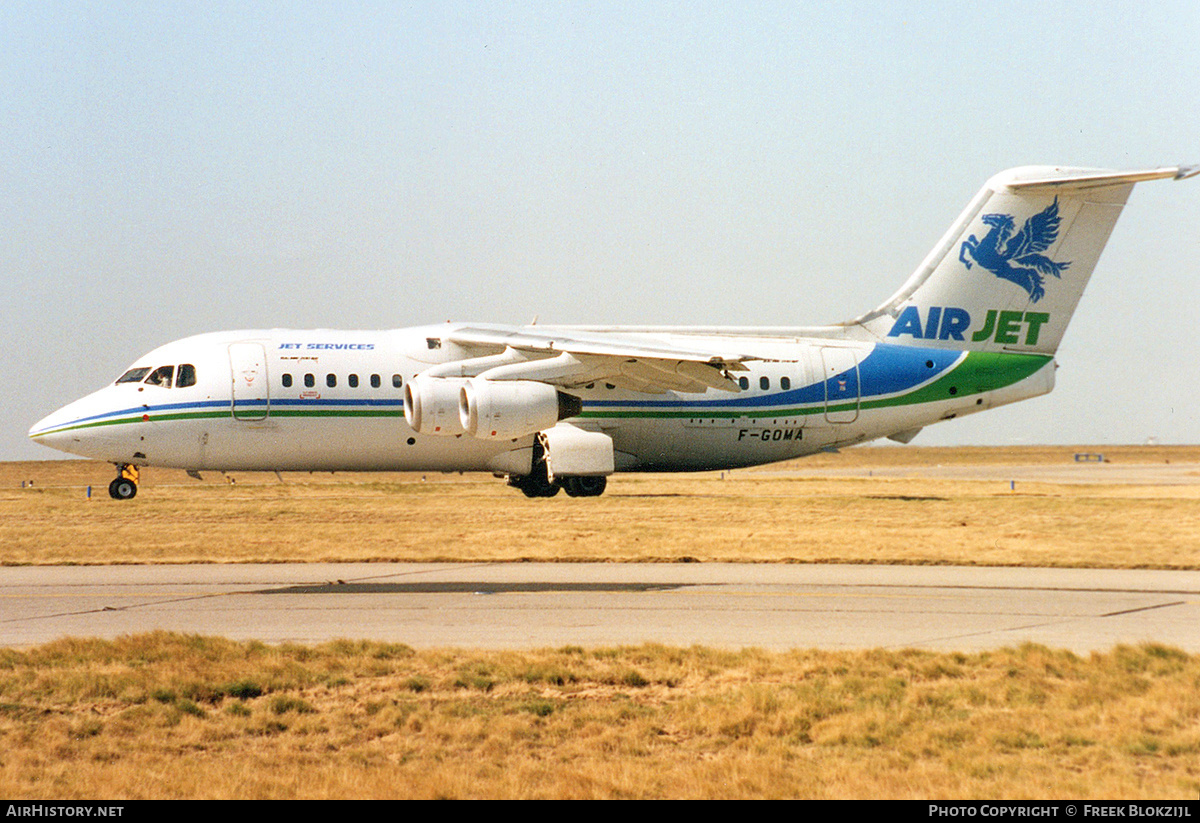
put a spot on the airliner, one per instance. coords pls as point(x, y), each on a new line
point(976, 326)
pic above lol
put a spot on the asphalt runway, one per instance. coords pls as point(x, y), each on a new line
point(532, 605)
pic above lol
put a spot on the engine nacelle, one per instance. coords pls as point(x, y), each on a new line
point(507, 409)
point(431, 404)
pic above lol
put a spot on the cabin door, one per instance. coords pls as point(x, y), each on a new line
point(841, 385)
point(248, 371)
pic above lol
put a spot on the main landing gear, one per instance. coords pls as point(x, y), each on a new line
point(585, 486)
point(125, 486)
point(538, 484)
point(535, 485)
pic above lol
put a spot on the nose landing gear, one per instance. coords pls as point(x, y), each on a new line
point(125, 486)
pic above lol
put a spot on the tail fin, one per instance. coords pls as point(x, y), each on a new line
point(1010, 271)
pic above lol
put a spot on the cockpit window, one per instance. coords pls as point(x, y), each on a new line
point(134, 375)
point(162, 376)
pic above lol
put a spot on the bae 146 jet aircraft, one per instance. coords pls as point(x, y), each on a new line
point(563, 407)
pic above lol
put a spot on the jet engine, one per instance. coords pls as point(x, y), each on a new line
point(431, 404)
point(507, 409)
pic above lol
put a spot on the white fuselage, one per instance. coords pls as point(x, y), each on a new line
point(333, 401)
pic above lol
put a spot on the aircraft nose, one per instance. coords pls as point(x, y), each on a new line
point(53, 430)
point(73, 429)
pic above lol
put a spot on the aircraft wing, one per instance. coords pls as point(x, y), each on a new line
point(569, 359)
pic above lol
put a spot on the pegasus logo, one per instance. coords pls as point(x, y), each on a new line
point(1018, 259)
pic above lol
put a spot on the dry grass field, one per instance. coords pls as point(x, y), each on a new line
point(166, 716)
point(754, 516)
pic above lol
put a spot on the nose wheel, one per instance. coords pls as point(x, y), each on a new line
point(125, 486)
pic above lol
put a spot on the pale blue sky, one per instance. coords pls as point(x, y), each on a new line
point(172, 168)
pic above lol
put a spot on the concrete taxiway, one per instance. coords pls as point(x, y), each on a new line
point(529, 605)
point(1082, 473)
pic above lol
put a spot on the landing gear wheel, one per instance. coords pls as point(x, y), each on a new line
point(585, 486)
point(537, 482)
point(125, 486)
point(534, 486)
point(122, 489)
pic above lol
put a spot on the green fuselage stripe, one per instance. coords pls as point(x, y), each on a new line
point(977, 373)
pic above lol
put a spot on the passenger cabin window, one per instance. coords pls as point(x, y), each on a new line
point(397, 381)
point(375, 381)
point(309, 381)
point(134, 375)
point(186, 376)
point(785, 383)
point(764, 383)
point(331, 380)
point(744, 382)
point(353, 381)
point(162, 376)
point(287, 381)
